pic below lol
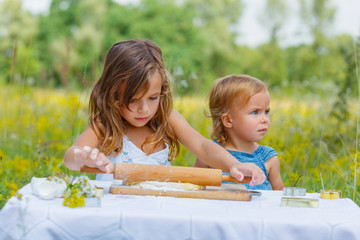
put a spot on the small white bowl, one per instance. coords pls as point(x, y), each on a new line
point(46, 189)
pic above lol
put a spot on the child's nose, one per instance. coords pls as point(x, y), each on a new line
point(143, 107)
point(264, 118)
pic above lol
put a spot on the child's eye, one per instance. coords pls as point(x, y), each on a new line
point(267, 111)
point(254, 112)
point(153, 98)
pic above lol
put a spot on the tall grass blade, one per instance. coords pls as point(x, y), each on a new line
point(357, 122)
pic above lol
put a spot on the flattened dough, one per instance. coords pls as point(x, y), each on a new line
point(165, 186)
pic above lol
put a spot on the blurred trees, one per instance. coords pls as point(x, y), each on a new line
point(273, 17)
point(17, 30)
point(66, 46)
point(318, 16)
point(70, 41)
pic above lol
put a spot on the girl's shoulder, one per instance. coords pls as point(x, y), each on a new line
point(264, 148)
point(173, 114)
point(88, 138)
point(176, 120)
point(266, 152)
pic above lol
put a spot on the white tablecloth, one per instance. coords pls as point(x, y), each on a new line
point(147, 217)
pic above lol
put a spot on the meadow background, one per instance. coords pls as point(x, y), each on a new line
point(50, 61)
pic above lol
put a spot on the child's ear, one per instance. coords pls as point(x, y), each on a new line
point(226, 120)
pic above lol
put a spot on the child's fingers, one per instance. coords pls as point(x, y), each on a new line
point(94, 154)
point(105, 164)
point(248, 169)
point(236, 173)
point(258, 177)
point(87, 149)
point(86, 156)
point(109, 168)
point(80, 155)
point(93, 158)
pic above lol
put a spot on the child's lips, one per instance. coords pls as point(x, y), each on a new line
point(264, 130)
point(143, 119)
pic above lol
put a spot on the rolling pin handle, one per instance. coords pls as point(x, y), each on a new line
point(86, 169)
point(228, 178)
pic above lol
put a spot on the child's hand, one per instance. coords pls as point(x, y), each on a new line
point(93, 158)
point(240, 170)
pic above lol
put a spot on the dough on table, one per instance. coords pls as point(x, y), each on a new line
point(168, 186)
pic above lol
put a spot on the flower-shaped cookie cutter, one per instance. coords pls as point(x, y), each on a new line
point(294, 191)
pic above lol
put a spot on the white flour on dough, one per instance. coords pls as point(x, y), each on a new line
point(164, 186)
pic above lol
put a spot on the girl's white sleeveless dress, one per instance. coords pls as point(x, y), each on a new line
point(132, 154)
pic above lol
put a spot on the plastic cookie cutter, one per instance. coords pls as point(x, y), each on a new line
point(330, 194)
point(295, 197)
point(294, 191)
point(299, 202)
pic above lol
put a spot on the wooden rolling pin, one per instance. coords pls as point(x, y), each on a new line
point(146, 172)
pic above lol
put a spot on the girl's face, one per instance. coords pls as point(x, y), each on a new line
point(144, 105)
point(250, 123)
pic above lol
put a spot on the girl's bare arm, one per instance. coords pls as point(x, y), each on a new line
point(84, 151)
point(273, 167)
point(199, 163)
point(212, 154)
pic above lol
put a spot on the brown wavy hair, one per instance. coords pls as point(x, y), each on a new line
point(226, 91)
point(127, 69)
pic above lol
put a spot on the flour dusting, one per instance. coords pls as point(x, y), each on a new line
point(164, 186)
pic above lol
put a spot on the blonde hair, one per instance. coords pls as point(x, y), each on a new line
point(127, 69)
point(226, 91)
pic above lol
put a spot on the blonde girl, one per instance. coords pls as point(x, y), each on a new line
point(131, 119)
point(239, 107)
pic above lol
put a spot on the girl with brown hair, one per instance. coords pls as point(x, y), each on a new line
point(131, 118)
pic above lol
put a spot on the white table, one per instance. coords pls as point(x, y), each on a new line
point(147, 217)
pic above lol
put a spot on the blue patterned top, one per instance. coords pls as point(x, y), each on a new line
point(259, 157)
